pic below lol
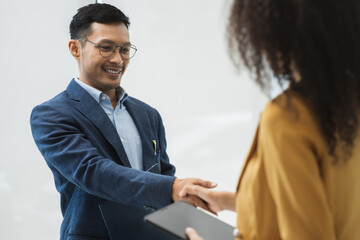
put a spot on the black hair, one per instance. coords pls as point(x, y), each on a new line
point(322, 39)
point(100, 13)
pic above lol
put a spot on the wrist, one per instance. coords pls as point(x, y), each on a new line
point(227, 201)
point(174, 191)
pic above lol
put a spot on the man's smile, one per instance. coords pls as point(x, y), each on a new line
point(113, 71)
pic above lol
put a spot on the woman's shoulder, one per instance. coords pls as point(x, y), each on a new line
point(288, 110)
point(289, 119)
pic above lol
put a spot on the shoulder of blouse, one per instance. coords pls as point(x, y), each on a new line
point(290, 114)
point(288, 109)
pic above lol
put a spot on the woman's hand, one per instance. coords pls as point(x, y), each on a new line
point(192, 234)
point(216, 201)
point(180, 184)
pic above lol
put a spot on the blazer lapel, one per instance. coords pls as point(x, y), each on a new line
point(93, 111)
point(141, 119)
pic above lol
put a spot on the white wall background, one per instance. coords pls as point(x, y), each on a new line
point(182, 69)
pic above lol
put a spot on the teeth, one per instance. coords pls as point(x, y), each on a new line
point(112, 71)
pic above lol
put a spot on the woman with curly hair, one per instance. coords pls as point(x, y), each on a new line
point(301, 179)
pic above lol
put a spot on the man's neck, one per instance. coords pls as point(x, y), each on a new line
point(110, 93)
point(113, 97)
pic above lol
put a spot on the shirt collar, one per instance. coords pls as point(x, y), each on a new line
point(122, 95)
point(97, 94)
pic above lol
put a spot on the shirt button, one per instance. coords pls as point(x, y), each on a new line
point(103, 97)
point(122, 140)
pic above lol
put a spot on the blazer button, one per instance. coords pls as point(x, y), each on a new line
point(237, 234)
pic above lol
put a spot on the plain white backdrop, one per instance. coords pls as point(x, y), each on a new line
point(210, 111)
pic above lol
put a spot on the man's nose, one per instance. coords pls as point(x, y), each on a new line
point(116, 57)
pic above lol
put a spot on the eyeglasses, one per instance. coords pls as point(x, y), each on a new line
point(108, 48)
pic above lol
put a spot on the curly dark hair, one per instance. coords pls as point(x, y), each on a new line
point(321, 38)
point(100, 13)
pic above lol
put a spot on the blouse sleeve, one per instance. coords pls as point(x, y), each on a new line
point(292, 148)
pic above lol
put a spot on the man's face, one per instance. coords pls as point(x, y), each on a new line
point(95, 70)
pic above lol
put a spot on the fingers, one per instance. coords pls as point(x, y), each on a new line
point(204, 183)
point(197, 202)
point(180, 184)
point(194, 190)
point(192, 234)
point(186, 190)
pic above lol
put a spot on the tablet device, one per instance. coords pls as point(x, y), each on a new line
point(175, 218)
point(126, 222)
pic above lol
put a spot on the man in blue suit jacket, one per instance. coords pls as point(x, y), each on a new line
point(100, 143)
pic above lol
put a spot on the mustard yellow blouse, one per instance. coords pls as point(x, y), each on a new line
point(288, 188)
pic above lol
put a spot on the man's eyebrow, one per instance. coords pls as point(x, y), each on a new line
point(108, 40)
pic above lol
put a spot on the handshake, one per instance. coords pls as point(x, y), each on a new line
point(198, 193)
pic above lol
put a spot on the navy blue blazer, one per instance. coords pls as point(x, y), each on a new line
point(85, 154)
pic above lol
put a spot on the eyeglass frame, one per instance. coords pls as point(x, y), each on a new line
point(116, 46)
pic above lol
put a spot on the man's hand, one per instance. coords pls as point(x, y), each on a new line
point(180, 184)
point(216, 201)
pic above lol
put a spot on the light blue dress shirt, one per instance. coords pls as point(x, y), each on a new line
point(122, 121)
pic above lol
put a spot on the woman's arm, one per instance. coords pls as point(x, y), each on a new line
point(216, 201)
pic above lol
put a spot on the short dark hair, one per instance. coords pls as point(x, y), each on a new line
point(100, 13)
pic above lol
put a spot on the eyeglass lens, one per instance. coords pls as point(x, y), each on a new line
point(108, 49)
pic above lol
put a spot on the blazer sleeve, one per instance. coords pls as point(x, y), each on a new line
point(291, 146)
point(70, 154)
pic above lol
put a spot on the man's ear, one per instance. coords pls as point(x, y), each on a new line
point(74, 48)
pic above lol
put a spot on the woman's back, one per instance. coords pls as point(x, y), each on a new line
point(290, 187)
